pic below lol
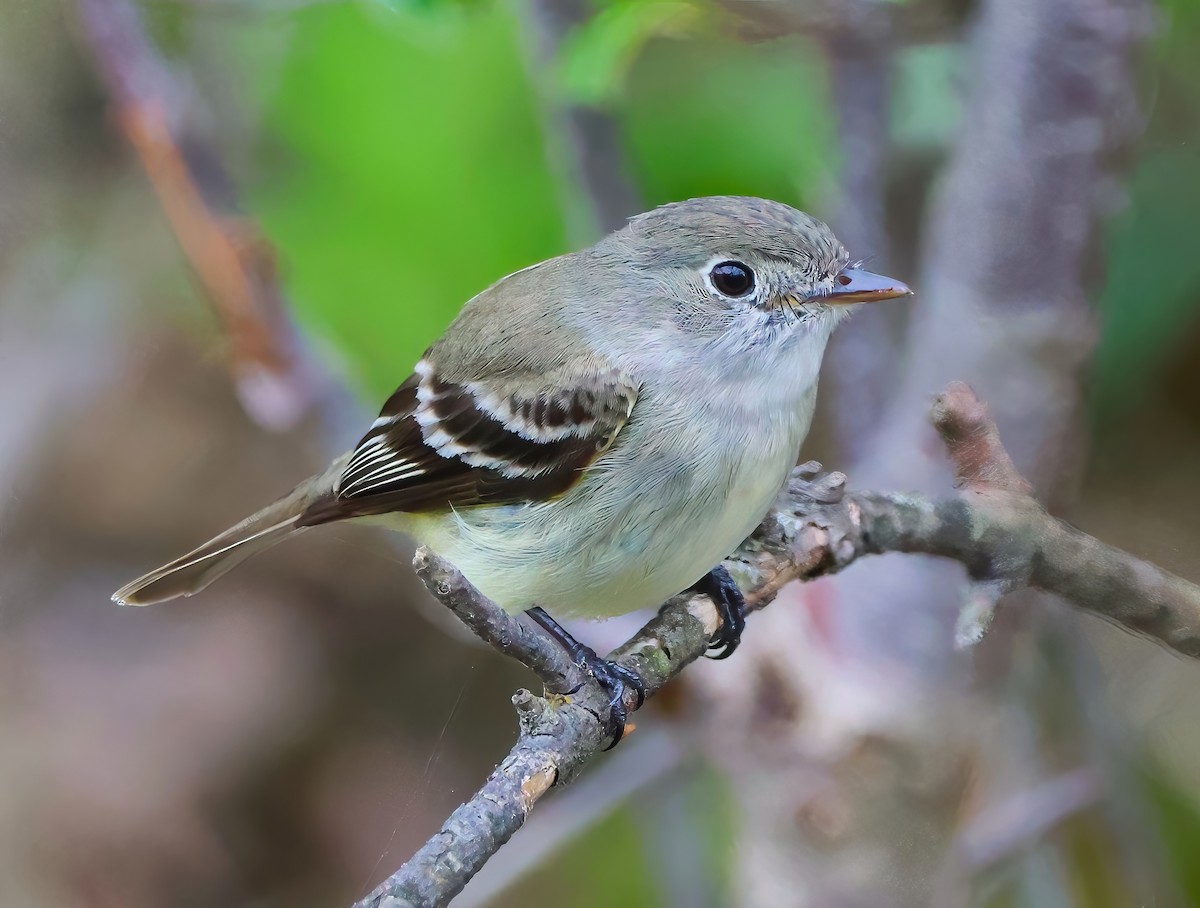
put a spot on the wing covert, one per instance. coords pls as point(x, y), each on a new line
point(439, 444)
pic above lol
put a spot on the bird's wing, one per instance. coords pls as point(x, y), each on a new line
point(439, 444)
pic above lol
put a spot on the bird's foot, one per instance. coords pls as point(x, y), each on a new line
point(614, 678)
point(731, 606)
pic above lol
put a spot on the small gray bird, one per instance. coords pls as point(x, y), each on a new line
point(592, 434)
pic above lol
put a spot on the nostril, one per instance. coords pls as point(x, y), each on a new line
point(843, 279)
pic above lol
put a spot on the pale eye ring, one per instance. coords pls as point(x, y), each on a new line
point(732, 279)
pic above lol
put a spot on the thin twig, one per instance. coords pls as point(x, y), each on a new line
point(996, 529)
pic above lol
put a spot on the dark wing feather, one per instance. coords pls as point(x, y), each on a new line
point(439, 444)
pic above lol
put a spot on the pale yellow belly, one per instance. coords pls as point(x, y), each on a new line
point(611, 545)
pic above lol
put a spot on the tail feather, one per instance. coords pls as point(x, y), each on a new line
point(198, 568)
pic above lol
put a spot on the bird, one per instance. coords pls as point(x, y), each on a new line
point(595, 433)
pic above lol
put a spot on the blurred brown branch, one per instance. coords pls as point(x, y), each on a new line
point(1004, 828)
point(234, 263)
point(913, 22)
point(583, 143)
point(1009, 265)
point(859, 56)
point(992, 525)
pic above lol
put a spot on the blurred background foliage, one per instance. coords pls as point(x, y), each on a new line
point(393, 153)
point(402, 159)
point(401, 175)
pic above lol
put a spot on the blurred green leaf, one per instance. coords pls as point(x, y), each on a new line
point(1152, 294)
point(1183, 14)
point(926, 105)
point(597, 55)
point(166, 25)
point(402, 176)
point(1178, 820)
point(404, 165)
point(1153, 289)
point(605, 866)
point(610, 863)
point(711, 116)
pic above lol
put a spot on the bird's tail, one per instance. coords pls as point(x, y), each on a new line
point(200, 567)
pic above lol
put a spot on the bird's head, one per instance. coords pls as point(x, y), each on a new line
point(749, 269)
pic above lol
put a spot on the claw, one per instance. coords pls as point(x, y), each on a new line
point(615, 679)
point(612, 676)
point(731, 606)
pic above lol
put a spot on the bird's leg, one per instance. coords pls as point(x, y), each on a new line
point(731, 606)
point(614, 678)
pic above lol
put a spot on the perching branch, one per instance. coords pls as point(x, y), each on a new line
point(506, 633)
point(992, 525)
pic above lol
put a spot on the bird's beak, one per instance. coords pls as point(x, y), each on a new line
point(853, 285)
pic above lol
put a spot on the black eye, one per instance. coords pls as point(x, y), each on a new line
point(732, 278)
